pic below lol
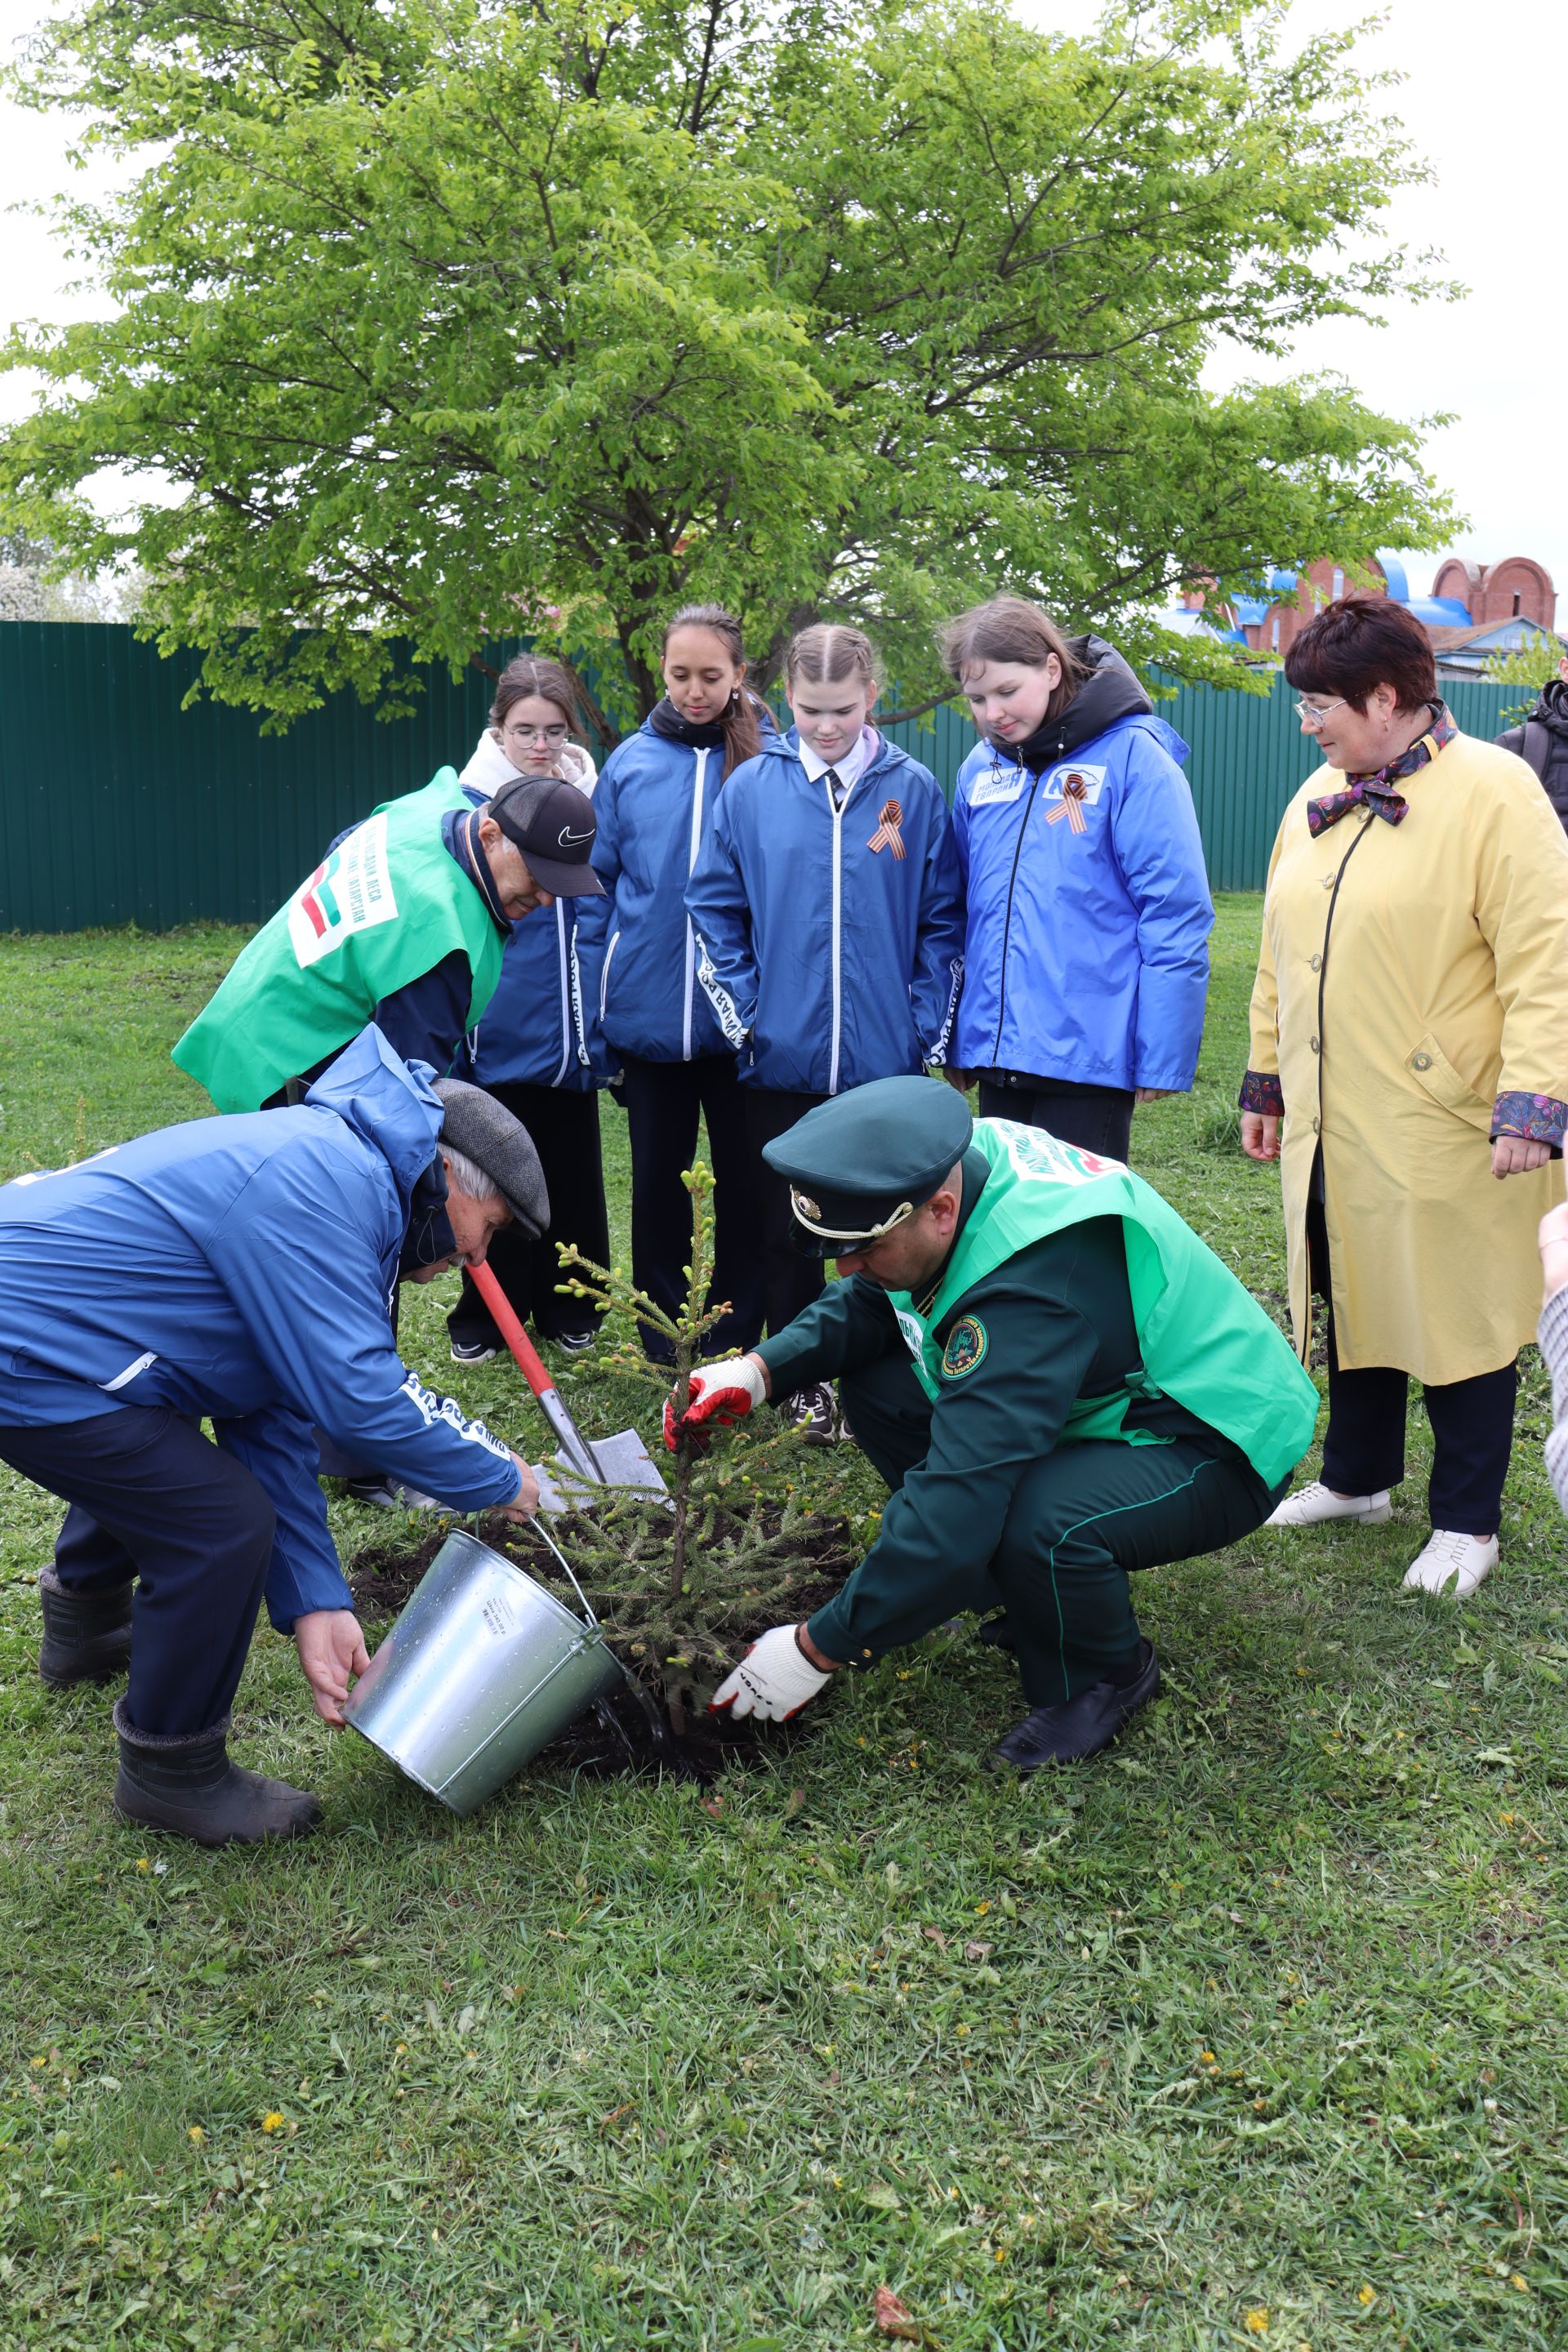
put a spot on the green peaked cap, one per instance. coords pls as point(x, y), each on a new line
point(858, 1164)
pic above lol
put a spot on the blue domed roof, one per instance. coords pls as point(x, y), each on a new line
point(1398, 579)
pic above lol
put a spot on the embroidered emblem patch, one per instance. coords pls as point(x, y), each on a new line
point(888, 835)
point(966, 1345)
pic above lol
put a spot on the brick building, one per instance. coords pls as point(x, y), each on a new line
point(1475, 610)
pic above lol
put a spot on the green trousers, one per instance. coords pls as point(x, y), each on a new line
point(1083, 1518)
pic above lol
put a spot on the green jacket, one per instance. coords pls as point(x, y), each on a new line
point(383, 908)
point(1075, 1305)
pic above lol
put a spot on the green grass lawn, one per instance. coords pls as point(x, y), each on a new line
point(1250, 2033)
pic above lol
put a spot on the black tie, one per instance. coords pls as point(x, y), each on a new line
point(838, 787)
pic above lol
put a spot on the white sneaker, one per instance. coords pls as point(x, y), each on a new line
point(1452, 1564)
point(1310, 1507)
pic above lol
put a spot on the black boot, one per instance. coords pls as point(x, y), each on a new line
point(87, 1634)
point(1080, 1727)
point(997, 1633)
point(186, 1784)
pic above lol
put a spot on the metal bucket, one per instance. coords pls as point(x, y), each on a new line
point(482, 1670)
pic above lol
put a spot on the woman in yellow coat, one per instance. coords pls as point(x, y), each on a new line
point(1409, 1048)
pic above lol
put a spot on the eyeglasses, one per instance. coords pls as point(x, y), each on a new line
point(1310, 715)
point(535, 734)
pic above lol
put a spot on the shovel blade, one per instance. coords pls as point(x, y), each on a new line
point(626, 1462)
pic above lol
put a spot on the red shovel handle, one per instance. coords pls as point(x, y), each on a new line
point(510, 1329)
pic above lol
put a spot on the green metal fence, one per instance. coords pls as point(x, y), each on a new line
point(118, 807)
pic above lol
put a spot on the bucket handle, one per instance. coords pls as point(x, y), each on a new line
point(541, 1529)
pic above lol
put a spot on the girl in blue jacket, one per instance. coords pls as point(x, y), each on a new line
point(656, 791)
point(1086, 948)
point(538, 1048)
point(827, 910)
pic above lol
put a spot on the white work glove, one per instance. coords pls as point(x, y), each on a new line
point(773, 1681)
point(717, 1394)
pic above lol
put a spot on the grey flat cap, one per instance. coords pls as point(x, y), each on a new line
point(485, 1132)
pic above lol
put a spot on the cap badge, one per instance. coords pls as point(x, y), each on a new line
point(1074, 791)
point(808, 1207)
point(888, 836)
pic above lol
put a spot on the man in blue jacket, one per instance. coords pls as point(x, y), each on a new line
point(239, 1269)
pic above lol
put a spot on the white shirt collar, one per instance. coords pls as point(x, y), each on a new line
point(850, 765)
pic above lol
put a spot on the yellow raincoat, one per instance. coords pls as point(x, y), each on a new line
point(1410, 975)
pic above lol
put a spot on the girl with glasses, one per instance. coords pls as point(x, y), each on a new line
point(538, 1048)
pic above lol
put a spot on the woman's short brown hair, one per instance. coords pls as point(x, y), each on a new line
point(1011, 629)
point(1359, 644)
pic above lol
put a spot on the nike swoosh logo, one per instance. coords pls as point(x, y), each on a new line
point(572, 840)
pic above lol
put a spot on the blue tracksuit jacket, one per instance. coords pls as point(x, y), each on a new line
point(240, 1268)
point(651, 804)
point(541, 1028)
point(833, 958)
point(1086, 947)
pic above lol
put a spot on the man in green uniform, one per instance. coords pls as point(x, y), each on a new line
point(403, 923)
point(1056, 1378)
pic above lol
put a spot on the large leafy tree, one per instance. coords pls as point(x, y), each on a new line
point(449, 319)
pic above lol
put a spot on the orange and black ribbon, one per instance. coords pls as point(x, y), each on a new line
point(888, 836)
point(1074, 791)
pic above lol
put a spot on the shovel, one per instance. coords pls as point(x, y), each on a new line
point(620, 1461)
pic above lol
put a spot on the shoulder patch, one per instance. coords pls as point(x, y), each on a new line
point(966, 1345)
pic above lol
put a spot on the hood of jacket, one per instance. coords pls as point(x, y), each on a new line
point(1110, 692)
point(1551, 709)
point(389, 1104)
point(490, 768)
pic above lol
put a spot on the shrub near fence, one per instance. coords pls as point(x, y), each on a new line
point(117, 806)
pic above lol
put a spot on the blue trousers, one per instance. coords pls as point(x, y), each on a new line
point(152, 1498)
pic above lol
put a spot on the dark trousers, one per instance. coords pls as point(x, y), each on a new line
point(566, 1132)
point(1095, 1118)
point(791, 1279)
point(1363, 1446)
point(152, 1498)
point(1083, 1518)
point(663, 1101)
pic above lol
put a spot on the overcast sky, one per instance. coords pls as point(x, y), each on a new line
point(1484, 101)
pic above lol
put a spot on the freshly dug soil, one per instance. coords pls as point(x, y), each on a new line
point(631, 1732)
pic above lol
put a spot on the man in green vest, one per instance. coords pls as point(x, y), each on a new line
point(403, 923)
point(1056, 1378)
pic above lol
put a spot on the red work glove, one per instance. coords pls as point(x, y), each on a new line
point(716, 1396)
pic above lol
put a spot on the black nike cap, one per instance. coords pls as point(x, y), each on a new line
point(552, 824)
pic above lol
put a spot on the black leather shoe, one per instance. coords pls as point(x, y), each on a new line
point(87, 1636)
point(1082, 1726)
point(997, 1633)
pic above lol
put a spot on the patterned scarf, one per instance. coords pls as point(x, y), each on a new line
point(1377, 790)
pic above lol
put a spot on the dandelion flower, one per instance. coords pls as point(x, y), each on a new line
point(1366, 2295)
point(194, 2134)
point(1256, 2321)
point(272, 2121)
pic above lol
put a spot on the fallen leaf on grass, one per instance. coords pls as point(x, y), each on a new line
point(885, 2200)
point(936, 1937)
point(796, 1799)
point(977, 1951)
point(617, 2114)
point(894, 2317)
point(714, 1805)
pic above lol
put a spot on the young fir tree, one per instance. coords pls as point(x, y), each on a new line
point(745, 1538)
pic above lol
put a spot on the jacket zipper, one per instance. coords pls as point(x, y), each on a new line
point(696, 843)
point(566, 994)
point(605, 974)
point(837, 953)
point(1008, 919)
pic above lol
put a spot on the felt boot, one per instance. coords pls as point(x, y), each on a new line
point(87, 1634)
point(186, 1784)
